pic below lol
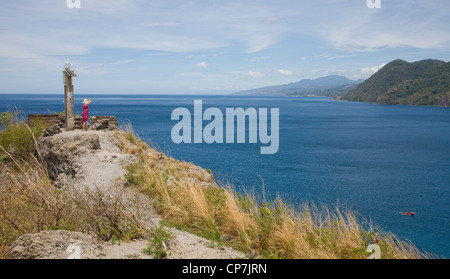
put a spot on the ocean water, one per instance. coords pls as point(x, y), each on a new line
point(378, 160)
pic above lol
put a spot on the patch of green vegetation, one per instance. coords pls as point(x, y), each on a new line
point(130, 137)
point(16, 137)
point(157, 245)
point(7, 118)
point(133, 174)
point(425, 82)
point(200, 229)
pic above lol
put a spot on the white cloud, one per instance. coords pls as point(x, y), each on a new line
point(160, 24)
point(37, 36)
point(254, 74)
point(259, 42)
point(272, 19)
point(368, 71)
point(194, 74)
point(189, 74)
point(285, 72)
point(353, 74)
point(200, 56)
point(417, 24)
point(118, 63)
point(123, 24)
point(202, 65)
point(364, 72)
point(196, 26)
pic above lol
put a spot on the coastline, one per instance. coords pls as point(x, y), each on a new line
point(186, 197)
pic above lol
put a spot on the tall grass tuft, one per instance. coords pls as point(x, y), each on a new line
point(261, 228)
point(15, 135)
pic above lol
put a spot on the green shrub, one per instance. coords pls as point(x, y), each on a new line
point(156, 245)
point(130, 137)
point(132, 175)
point(16, 137)
point(7, 118)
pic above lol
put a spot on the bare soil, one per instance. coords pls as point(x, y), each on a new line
point(103, 167)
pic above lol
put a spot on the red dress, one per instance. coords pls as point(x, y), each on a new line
point(85, 112)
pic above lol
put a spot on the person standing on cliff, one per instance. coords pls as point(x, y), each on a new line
point(86, 103)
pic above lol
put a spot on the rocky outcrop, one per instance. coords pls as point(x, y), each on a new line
point(53, 122)
point(444, 101)
point(57, 244)
point(84, 158)
point(80, 161)
point(48, 119)
point(103, 122)
point(56, 122)
point(60, 153)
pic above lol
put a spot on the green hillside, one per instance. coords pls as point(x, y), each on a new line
point(425, 82)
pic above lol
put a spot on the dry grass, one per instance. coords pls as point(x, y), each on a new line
point(188, 198)
point(268, 229)
point(30, 203)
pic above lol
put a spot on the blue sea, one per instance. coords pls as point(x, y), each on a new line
point(378, 160)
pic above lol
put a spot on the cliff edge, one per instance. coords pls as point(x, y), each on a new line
point(96, 160)
point(104, 193)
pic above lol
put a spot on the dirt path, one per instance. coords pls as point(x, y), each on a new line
point(97, 161)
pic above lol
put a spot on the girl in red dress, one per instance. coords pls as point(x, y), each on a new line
point(86, 102)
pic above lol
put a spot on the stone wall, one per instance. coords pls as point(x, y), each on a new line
point(48, 119)
point(56, 122)
point(102, 122)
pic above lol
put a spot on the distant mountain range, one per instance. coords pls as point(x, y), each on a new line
point(329, 86)
point(425, 82)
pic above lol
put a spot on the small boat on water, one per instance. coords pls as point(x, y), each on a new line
point(409, 213)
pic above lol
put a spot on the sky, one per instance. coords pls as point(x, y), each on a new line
point(209, 46)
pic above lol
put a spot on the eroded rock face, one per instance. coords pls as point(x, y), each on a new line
point(57, 244)
point(80, 159)
point(103, 122)
point(56, 122)
point(60, 153)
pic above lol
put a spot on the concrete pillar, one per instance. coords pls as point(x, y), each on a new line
point(69, 109)
point(68, 96)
